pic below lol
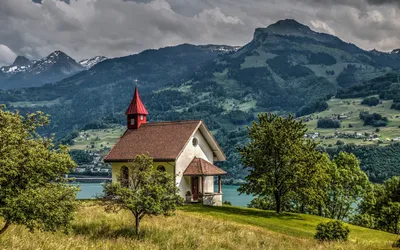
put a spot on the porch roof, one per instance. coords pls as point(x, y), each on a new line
point(201, 167)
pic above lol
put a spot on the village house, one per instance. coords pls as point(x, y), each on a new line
point(185, 149)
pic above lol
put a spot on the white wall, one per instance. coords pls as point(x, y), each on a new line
point(202, 150)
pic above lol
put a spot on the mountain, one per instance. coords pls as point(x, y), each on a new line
point(396, 51)
point(286, 68)
point(20, 64)
point(88, 63)
point(26, 73)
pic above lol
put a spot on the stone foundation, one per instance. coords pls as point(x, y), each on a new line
point(212, 199)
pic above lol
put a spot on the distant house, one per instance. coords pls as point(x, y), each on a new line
point(185, 149)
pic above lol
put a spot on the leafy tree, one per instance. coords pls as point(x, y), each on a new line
point(32, 188)
point(374, 119)
point(279, 159)
point(328, 123)
point(146, 191)
point(370, 101)
point(81, 156)
point(348, 183)
point(380, 209)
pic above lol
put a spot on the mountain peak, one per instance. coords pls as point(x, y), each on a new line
point(288, 27)
point(285, 27)
point(57, 54)
point(21, 61)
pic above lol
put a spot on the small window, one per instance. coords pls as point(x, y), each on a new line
point(161, 168)
point(195, 142)
point(141, 117)
point(132, 121)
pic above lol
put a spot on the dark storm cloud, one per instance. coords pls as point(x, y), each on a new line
point(85, 28)
point(379, 2)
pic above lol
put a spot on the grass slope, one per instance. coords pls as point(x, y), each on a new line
point(192, 227)
point(97, 139)
point(352, 108)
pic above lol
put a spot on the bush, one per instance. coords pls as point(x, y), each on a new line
point(332, 231)
point(340, 143)
point(227, 203)
point(396, 244)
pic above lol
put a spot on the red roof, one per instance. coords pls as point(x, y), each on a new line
point(161, 140)
point(136, 106)
point(200, 166)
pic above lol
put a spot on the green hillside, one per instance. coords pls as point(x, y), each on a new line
point(285, 68)
point(352, 124)
point(192, 227)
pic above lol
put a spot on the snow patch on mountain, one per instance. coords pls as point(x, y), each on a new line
point(88, 63)
point(396, 51)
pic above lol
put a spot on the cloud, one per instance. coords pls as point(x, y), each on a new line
point(322, 26)
point(7, 56)
point(86, 28)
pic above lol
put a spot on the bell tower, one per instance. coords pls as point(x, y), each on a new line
point(136, 113)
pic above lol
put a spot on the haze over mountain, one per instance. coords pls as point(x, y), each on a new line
point(287, 67)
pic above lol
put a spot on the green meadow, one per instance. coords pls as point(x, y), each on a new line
point(352, 108)
point(192, 227)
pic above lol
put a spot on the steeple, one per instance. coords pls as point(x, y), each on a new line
point(136, 112)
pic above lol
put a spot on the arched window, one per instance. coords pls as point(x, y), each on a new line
point(161, 168)
point(124, 176)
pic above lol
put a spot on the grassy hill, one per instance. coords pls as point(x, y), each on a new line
point(98, 139)
point(192, 227)
point(351, 108)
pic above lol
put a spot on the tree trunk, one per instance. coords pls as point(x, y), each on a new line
point(320, 210)
point(278, 202)
point(137, 225)
point(5, 227)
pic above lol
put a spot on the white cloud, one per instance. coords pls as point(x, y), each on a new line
point(322, 27)
point(7, 56)
point(85, 28)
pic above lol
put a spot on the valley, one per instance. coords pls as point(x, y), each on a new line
point(285, 68)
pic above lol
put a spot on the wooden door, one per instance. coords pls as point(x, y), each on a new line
point(195, 188)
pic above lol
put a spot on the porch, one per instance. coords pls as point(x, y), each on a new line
point(200, 174)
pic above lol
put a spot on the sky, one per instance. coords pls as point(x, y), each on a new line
point(114, 28)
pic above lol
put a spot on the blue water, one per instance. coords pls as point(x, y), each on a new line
point(230, 193)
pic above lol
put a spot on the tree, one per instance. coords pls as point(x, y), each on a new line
point(328, 123)
point(32, 188)
point(380, 209)
point(348, 183)
point(143, 190)
point(279, 159)
point(81, 156)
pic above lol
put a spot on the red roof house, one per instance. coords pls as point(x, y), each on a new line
point(186, 149)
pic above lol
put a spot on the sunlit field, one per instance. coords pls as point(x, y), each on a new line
point(191, 227)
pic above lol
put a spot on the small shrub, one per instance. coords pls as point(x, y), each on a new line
point(340, 143)
point(377, 130)
point(396, 244)
point(332, 231)
point(227, 203)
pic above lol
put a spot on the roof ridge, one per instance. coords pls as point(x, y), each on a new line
point(171, 122)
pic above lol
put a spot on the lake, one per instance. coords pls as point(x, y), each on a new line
point(230, 193)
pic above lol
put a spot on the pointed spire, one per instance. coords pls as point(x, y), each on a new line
point(136, 107)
